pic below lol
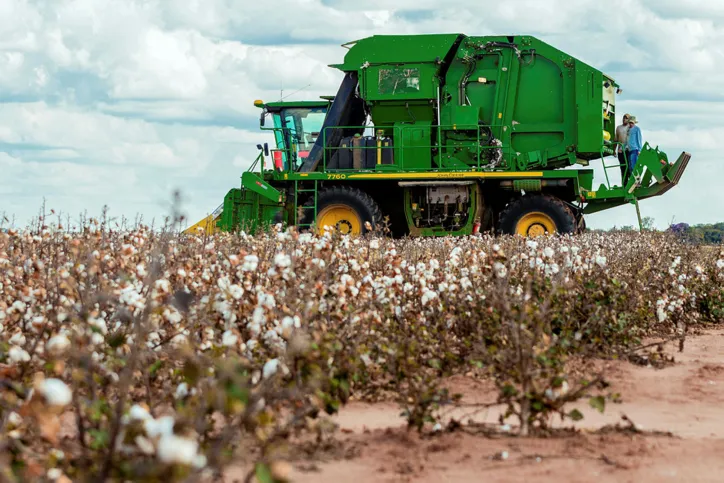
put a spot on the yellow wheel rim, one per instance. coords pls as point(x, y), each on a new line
point(341, 218)
point(535, 224)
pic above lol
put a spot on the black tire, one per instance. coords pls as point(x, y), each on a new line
point(354, 198)
point(555, 209)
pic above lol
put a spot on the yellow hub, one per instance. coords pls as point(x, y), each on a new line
point(341, 218)
point(535, 224)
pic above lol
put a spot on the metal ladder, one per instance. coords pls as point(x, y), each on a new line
point(314, 190)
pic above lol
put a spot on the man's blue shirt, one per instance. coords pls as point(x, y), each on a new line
point(635, 142)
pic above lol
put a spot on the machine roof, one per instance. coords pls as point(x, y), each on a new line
point(390, 49)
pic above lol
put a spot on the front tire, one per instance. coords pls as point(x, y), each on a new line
point(344, 209)
point(537, 215)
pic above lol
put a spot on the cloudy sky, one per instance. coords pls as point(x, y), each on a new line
point(119, 102)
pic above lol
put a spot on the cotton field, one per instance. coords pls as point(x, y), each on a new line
point(143, 355)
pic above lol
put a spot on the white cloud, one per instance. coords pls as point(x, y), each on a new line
point(121, 102)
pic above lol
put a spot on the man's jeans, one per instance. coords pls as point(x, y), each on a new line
point(633, 156)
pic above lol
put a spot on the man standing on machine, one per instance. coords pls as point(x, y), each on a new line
point(621, 148)
point(633, 144)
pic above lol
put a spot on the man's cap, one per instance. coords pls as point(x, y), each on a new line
point(632, 119)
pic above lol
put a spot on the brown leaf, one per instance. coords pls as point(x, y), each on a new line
point(33, 470)
point(49, 427)
point(9, 372)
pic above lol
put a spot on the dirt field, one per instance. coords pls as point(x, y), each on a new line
point(684, 400)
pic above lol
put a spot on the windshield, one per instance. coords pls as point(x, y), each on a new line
point(300, 128)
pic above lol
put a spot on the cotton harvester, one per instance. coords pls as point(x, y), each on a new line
point(444, 135)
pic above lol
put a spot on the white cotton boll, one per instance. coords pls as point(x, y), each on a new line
point(251, 262)
point(54, 474)
point(17, 306)
point(99, 323)
point(660, 310)
point(720, 264)
point(500, 270)
point(141, 270)
point(176, 449)
point(267, 300)
point(271, 337)
point(374, 244)
point(229, 339)
point(428, 296)
point(258, 317)
point(159, 427)
point(178, 340)
point(270, 368)
point(236, 291)
point(17, 339)
point(55, 392)
point(14, 419)
point(97, 339)
point(172, 315)
point(57, 345)
point(18, 354)
point(254, 328)
point(139, 413)
point(282, 260)
point(288, 323)
point(163, 285)
point(57, 454)
point(548, 252)
point(181, 391)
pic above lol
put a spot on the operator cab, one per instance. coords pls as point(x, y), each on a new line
point(296, 126)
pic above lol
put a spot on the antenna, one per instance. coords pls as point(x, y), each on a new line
point(298, 90)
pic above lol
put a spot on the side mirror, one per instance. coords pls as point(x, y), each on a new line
point(266, 149)
point(258, 146)
point(262, 118)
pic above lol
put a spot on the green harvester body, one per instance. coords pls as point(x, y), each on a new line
point(446, 133)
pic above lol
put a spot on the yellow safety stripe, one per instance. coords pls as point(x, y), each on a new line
point(469, 174)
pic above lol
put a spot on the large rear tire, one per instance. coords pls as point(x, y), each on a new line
point(344, 209)
point(537, 215)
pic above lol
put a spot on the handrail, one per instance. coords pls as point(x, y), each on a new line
point(612, 145)
point(253, 165)
point(399, 130)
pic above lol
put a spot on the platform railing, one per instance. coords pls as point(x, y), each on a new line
point(438, 151)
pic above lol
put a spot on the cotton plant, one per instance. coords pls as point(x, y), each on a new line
point(267, 330)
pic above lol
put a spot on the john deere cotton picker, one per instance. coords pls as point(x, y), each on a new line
point(444, 135)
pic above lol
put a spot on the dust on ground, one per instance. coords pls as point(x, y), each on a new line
point(677, 410)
